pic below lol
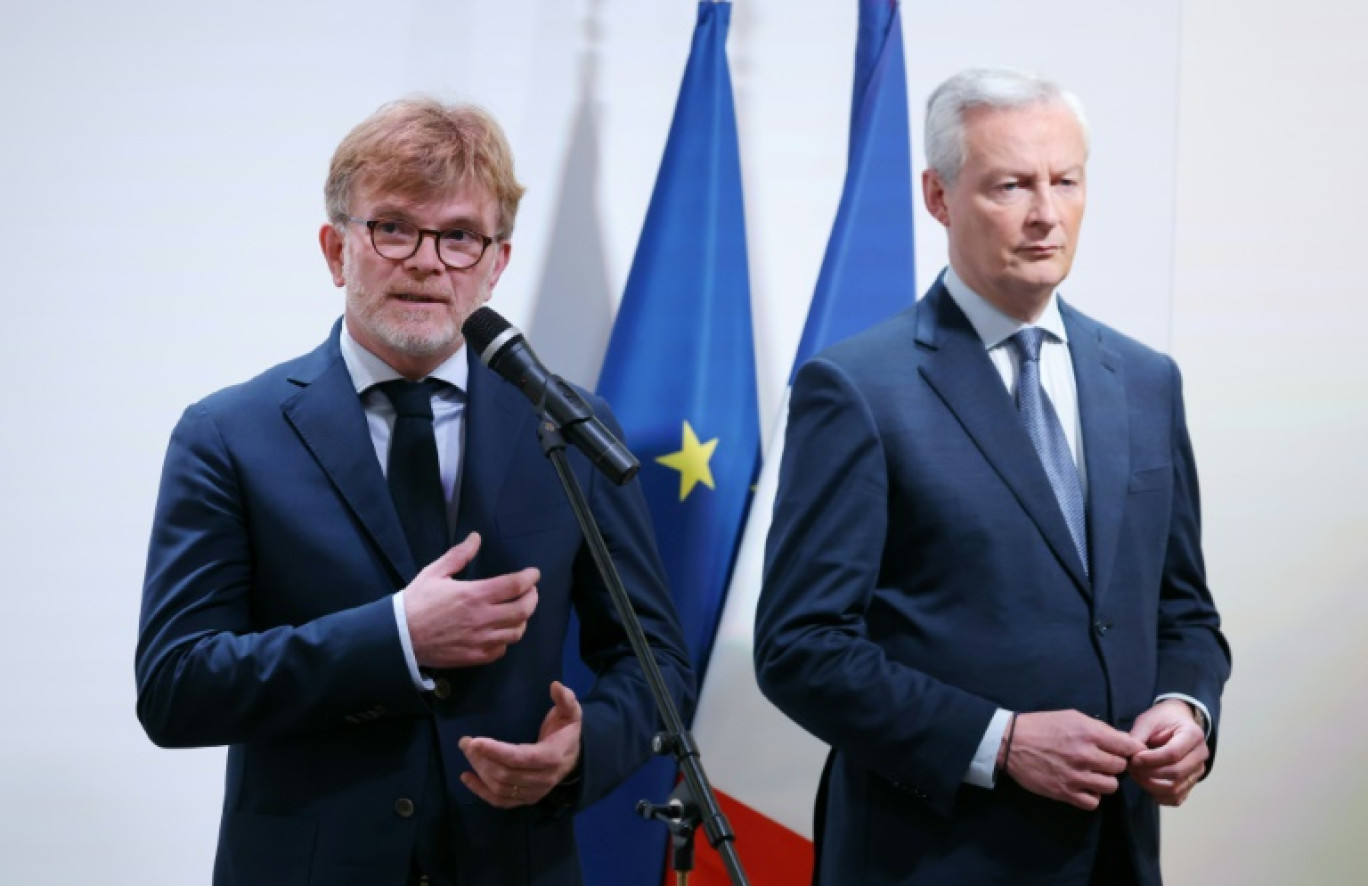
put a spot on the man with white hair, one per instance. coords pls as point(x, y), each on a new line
point(984, 584)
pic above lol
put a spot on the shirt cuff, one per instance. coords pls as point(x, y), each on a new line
point(421, 682)
point(1203, 715)
point(981, 768)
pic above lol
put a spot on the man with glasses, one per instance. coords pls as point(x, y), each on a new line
point(362, 568)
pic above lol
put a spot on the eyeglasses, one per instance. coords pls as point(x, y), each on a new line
point(398, 240)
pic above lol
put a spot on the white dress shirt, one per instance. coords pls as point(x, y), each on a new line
point(448, 426)
point(1057, 378)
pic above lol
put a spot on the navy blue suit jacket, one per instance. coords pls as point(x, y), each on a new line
point(267, 626)
point(919, 575)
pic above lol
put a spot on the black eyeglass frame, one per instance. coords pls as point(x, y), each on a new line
point(437, 236)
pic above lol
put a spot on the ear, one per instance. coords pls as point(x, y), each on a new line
point(933, 194)
point(333, 243)
point(501, 256)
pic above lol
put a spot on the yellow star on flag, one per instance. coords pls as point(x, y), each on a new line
point(691, 461)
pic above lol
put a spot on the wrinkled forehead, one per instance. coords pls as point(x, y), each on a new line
point(466, 201)
point(1044, 133)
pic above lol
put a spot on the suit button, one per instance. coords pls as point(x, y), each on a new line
point(1101, 627)
point(442, 688)
point(403, 807)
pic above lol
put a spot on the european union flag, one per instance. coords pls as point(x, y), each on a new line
point(764, 766)
point(680, 376)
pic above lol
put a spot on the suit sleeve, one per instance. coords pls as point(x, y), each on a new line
point(205, 675)
point(1194, 657)
point(815, 654)
point(620, 716)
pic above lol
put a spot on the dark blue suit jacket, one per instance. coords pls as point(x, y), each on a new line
point(267, 626)
point(919, 575)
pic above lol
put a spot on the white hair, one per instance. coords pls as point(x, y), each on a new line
point(983, 88)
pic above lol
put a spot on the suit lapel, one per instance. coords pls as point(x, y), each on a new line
point(957, 367)
point(327, 414)
point(1106, 432)
point(498, 423)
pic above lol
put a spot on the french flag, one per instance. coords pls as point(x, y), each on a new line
point(764, 767)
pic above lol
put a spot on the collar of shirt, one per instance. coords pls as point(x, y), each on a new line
point(448, 410)
point(367, 370)
point(993, 326)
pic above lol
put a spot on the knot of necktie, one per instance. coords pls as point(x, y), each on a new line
point(411, 399)
point(1027, 342)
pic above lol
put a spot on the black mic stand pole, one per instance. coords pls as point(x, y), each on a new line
point(699, 805)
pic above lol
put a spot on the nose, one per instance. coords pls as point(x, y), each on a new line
point(425, 258)
point(1044, 210)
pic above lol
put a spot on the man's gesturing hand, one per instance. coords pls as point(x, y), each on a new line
point(457, 624)
point(1069, 756)
point(507, 775)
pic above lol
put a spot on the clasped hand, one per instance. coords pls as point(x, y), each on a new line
point(1076, 759)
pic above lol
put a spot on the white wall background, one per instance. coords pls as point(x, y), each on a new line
point(162, 170)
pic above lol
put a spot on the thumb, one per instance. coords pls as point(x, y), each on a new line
point(1122, 744)
point(563, 697)
point(1145, 729)
point(456, 558)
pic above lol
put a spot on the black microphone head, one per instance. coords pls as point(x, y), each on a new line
point(487, 332)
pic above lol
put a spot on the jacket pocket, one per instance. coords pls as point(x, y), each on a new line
point(1151, 478)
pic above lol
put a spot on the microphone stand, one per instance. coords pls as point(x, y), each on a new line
point(698, 804)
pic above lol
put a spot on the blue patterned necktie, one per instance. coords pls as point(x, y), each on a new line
point(1047, 435)
point(414, 474)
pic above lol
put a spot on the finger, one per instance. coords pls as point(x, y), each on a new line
point(506, 622)
point(495, 779)
point(1120, 744)
point(511, 587)
point(1190, 766)
point(1098, 784)
point(484, 792)
point(1185, 773)
point(500, 761)
point(498, 637)
point(1110, 764)
point(1083, 800)
point(1179, 745)
point(565, 702)
point(499, 784)
point(519, 609)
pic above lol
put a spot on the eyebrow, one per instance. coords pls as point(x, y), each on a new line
point(391, 210)
point(1008, 172)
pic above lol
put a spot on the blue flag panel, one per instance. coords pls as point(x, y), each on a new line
point(680, 376)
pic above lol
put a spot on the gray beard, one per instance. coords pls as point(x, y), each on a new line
point(407, 340)
point(403, 339)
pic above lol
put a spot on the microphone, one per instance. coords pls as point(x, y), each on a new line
point(501, 347)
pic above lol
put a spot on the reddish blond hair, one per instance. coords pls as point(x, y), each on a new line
point(420, 146)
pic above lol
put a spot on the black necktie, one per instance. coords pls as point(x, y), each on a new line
point(415, 478)
point(1047, 435)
